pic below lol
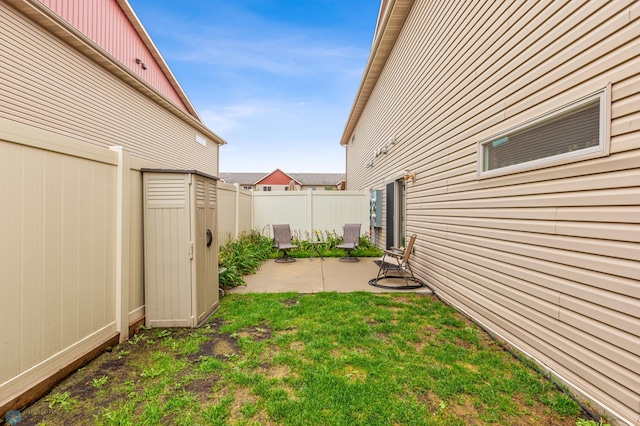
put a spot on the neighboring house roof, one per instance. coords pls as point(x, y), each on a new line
point(276, 177)
point(393, 13)
point(98, 43)
point(304, 179)
point(320, 179)
point(242, 178)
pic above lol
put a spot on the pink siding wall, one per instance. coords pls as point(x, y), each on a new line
point(104, 22)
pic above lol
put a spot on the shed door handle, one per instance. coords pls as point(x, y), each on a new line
point(209, 238)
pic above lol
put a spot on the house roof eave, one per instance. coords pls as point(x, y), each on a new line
point(43, 16)
point(155, 52)
point(389, 28)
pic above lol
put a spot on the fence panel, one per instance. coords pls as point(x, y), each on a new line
point(306, 211)
point(226, 212)
point(245, 210)
point(332, 209)
point(57, 255)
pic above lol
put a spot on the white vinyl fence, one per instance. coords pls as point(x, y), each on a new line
point(235, 211)
point(240, 210)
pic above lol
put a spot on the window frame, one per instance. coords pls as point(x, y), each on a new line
point(602, 149)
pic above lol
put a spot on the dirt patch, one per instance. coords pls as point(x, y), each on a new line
point(431, 400)
point(201, 388)
point(256, 334)
point(464, 344)
point(290, 302)
point(221, 346)
point(241, 398)
point(353, 374)
point(278, 371)
point(470, 367)
point(297, 346)
point(112, 365)
point(382, 336)
point(419, 346)
point(372, 321)
point(464, 410)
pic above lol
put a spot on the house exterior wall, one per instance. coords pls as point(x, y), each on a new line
point(547, 258)
point(114, 33)
point(50, 85)
point(318, 188)
point(274, 187)
point(277, 177)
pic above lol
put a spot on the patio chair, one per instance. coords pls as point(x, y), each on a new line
point(397, 260)
point(282, 241)
point(350, 241)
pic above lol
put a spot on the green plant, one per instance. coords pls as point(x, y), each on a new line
point(99, 381)
point(62, 401)
point(151, 373)
point(585, 422)
point(243, 256)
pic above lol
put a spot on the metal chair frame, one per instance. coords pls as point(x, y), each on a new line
point(350, 241)
point(282, 241)
point(397, 259)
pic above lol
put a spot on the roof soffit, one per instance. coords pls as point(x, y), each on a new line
point(390, 25)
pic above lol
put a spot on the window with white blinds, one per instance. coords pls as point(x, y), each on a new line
point(568, 132)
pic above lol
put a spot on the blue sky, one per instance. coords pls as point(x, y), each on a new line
point(275, 78)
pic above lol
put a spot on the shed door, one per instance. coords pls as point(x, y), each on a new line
point(206, 256)
point(166, 250)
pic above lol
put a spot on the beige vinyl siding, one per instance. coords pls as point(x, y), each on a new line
point(547, 258)
point(48, 84)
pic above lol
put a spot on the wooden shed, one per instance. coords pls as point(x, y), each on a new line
point(180, 247)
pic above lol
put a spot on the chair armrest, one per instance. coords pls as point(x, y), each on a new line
point(394, 253)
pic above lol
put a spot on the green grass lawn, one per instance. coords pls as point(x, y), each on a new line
point(324, 359)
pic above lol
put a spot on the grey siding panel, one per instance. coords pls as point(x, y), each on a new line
point(48, 84)
point(547, 258)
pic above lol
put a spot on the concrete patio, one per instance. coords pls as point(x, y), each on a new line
point(316, 275)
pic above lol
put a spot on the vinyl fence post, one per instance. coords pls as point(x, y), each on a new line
point(310, 214)
point(237, 215)
point(123, 224)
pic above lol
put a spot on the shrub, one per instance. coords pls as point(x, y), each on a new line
point(242, 256)
point(327, 246)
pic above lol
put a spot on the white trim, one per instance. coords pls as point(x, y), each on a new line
point(602, 149)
